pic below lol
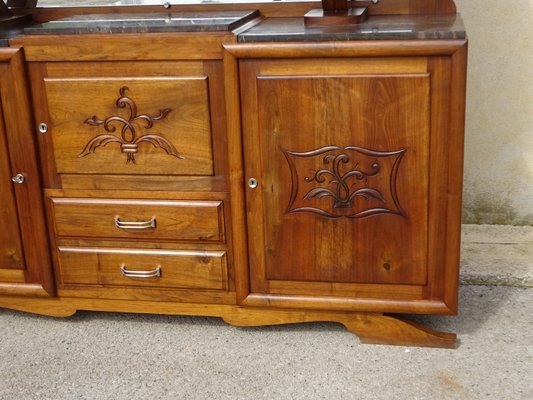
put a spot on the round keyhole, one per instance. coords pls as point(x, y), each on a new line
point(252, 183)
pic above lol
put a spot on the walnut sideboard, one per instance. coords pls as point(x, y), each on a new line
point(262, 172)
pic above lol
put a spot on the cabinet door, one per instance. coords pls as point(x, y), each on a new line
point(349, 173)
point(342, 165)
point(25, 267)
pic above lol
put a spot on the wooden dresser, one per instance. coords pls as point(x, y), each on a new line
point(260, 171)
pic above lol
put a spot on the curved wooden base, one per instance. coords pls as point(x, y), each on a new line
point(372, 328)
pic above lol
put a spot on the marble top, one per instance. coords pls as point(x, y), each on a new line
point(390, 27)
point(207, 21)
point(7, 34)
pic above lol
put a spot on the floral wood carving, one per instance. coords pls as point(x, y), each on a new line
point(128, 139)
point(348, 174)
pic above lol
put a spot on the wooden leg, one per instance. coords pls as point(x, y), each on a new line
point(48, 307)
point(369, 327)
point(388, 329)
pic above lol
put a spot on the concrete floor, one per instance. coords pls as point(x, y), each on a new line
point(497, 255)
point(122, 356)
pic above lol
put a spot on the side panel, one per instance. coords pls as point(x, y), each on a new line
point(36, 278)
point(10, 245)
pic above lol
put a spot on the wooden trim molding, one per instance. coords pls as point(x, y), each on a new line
point(373, 48)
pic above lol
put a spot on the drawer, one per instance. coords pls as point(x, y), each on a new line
point(139, 219)
point(121, 126)
point(199, 269)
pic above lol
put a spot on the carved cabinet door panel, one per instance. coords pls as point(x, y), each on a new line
point(340, 150)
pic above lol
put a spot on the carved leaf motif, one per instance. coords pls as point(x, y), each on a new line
point(319, 193)
point(162, 143)
point(99, 141)
point(94, 121)
point(368, 193)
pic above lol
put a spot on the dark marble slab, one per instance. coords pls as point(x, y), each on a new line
point(390, 27)
point(145, 22)
point(7, 34)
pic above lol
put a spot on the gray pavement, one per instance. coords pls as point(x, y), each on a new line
point(122, 356)
point(497, 255)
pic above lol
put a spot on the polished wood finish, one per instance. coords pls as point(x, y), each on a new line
point(196, 122)
point(172, 220)
point(179, 269)
point(97, 179)
point(356, 147)
point(124, 47)
point(99, 139)
point(363, 48)
point(372, 236)
point(10, 244)
point(281, 147)
point(372, 328)
point(17, 134)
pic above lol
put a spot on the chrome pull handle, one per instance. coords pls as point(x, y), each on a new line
point(155, 273)
point(135, 225)
point(19, 178)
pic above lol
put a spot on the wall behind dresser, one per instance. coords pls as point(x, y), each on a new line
point(499, 123)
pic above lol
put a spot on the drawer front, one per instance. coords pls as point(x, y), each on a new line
point(136, 126)
point(139, 219)
point(143, 268)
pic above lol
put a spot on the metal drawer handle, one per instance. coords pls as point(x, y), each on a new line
point(140, 274)
point(135, 225)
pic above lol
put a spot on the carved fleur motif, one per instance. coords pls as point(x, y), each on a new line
point(128, 139)
point(343, 191)
point(343, 179)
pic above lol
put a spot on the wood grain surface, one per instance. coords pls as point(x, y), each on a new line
point(379, 233)
point(21, 144)
point(192, 269)
point(173, 220)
